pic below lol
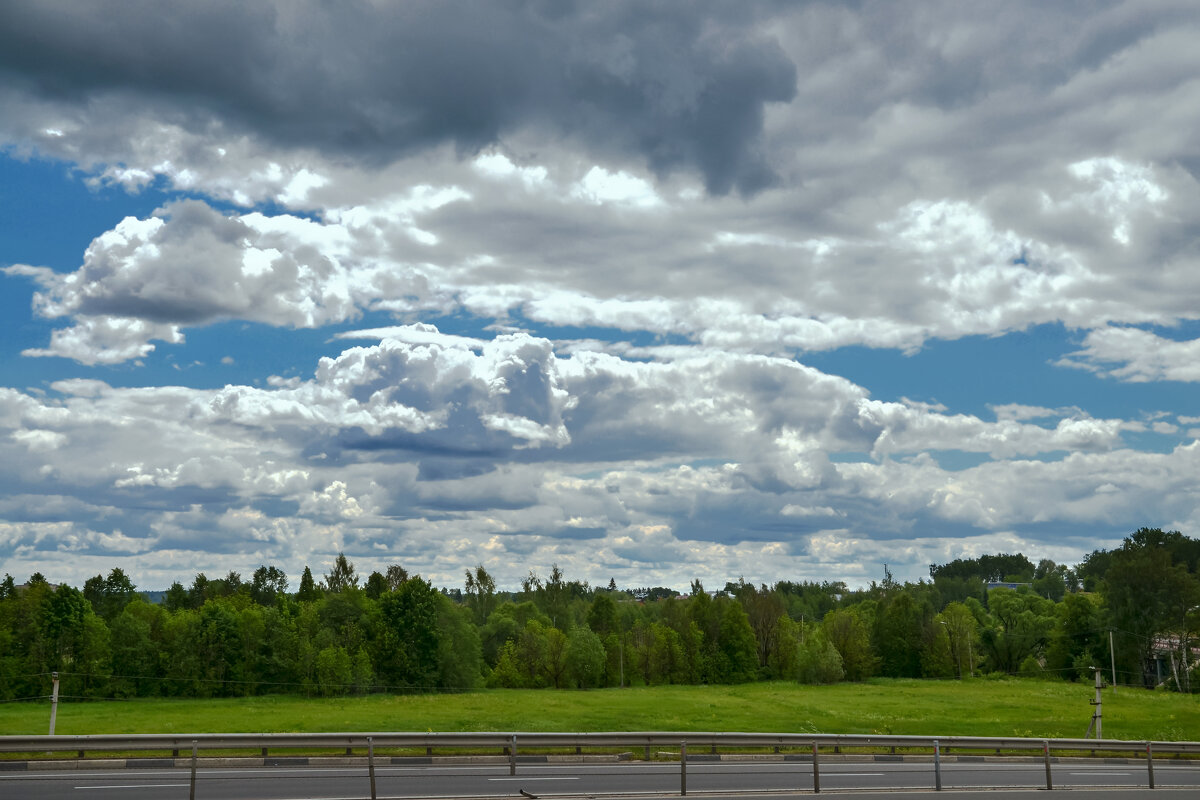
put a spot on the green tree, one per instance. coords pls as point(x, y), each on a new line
point(554, 661)
point(335, 671)
point(763, 608)
point(507, 674)
point(481, 594)
point(200, 591)
point(271, 647)
point(739, 651)
point(267, 584)
point(1149, 590)
point(63, 627)
point(657, 653)
point(376, 585)
point(396, 575)
point(818, 661)
point(346, 616)
point(309, 591)
point(176, 597)
point(341, 576)
point(219, 649)
point(1077, 641)
point(108, 596)
point(181, 657)
point(784, 660)
point(1021, 626)
point(962, 631)
point(937, 655)
point(586, 658)
point(407, 642)
point(1050, 580)
point(850, 634)
point(602, 615)
point(554, 598)
point(899, 633)
point(531, 648)
point(460, 654)
point(135, 636)
point(93, 662)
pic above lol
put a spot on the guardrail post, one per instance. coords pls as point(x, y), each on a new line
point(816, 771)
point(1046, 753)
point(371, 764)
point(937, 765)
point(683, 769)
point(512, 755)
point(647, 753)
point(192, 785)
point(1150, 762)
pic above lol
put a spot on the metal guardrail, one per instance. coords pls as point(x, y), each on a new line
point(524, 740)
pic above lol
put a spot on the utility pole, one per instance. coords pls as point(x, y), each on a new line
point(1112, 654)
point(53, 702)
point(1097, 714)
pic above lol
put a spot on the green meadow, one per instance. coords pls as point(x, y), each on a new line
point(980, 707)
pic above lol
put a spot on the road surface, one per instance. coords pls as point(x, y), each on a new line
point(845, 779)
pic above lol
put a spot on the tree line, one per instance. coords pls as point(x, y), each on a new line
point(1133, 609)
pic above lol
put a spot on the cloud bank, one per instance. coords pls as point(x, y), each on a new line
point(594, 283)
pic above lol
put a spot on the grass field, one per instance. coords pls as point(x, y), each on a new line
point(1010, 707)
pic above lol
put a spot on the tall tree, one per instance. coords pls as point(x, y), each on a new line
point(1149, 593)
point(460, 655)
point(407, 642)
point(1077, 642)
point(308, 591)
point(341, 576)
point(850, 633)
point(585, 658)
point(1022, 622)
point(395, 575)
point(481, 594)
point(266, 584)
point(962, 631)
point(899, 636)
point(109, 595)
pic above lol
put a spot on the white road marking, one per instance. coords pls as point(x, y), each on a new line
point(556, 778)
point(135, 786)
point(1101, 774)
point(853, 774)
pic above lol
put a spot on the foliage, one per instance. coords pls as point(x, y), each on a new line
point(585, 658)
point(847, 631)
point(341, 577)
point(999, 567)
point(224, 636)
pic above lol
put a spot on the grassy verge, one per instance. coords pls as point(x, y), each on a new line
point(1012, 707)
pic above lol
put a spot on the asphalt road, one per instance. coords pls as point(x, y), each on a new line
point(846, 779)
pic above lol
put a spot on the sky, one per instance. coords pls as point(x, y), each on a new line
point(651, 291)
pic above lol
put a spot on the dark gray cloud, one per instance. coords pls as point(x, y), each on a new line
point(665, 82)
